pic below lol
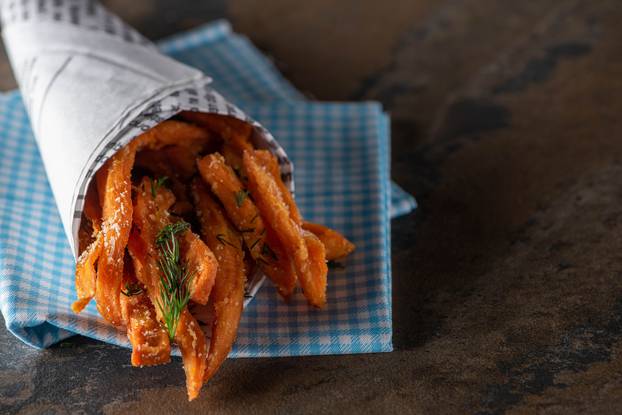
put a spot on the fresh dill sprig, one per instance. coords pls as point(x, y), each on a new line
point(240, 197)
point(156, 184)
point(170, 230)
point(175, 277)
point(131, 289)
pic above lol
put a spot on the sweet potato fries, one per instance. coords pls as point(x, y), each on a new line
point(175, 221)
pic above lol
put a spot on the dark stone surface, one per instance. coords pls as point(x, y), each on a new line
point(507, 281)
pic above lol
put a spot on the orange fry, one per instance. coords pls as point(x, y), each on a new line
point(274, 211)
point(202, 265)
point(149, 339)
point(228, 296)
point(86, 275)
point(150, 216)
point(337, 246)
point(244, 214)
point(116, 225)
point(171, 132)
point(268, 161)
point(240, 209)
point(235, 133)
point(317, 258)
point(191, 341)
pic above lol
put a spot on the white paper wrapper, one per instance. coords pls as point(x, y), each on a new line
point(90, 84)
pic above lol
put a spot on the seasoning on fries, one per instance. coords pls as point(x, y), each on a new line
point(173, 225)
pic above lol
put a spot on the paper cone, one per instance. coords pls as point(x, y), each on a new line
point(90, 84)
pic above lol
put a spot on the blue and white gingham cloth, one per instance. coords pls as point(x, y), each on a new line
point(341, 155)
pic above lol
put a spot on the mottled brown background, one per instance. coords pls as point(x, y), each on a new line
point(507, 281)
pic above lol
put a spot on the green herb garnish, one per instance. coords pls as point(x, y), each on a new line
point(240, 197)
point(131, 289)
point(156, 184)
point(175, 277)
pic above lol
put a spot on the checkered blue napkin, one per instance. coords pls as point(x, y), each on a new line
point(341, 155)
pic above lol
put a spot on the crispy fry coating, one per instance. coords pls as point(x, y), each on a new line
point(202, 265)
point(191, 341)
point(236, 134)
point(337, 246)
point(317, 259)
point(268, 161)
point(171, 132)
point(275, 212)
point(241, 210)
point(149, 339)
point(86, 274)
point(116, 225)
point(228, 295)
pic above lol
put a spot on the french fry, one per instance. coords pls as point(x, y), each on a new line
point(337, 246)
point(150, 216)
point(171, 132)
point(269, 162)
point(317, 259)
point(275, 212)
point(149, 340)
point(86, 274)
point(229, 128)
point(116, 225)
point(235, 133)
point(191, 341)
point(244, 214)
point(228, 295)
point(202, 265)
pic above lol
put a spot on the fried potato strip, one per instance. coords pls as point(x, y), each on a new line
point(228, 295)
point(202, 264)
point(148, 337)
point(268, 161)
point(150, 216)
point(86, 274)
point(171, 132)
point(191, 341)
point(244, 214)
point(236, 134)
point(116, 224)
point(337, 246)
point(270, 202)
